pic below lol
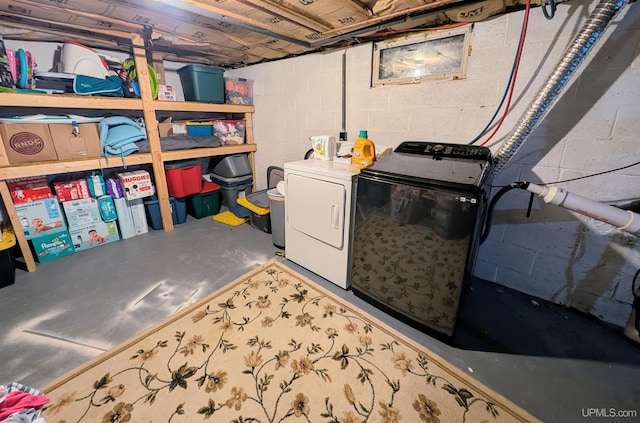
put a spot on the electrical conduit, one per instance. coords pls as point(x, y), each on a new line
point(564, 69)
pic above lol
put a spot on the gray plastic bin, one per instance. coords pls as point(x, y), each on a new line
point(232, 166)
point(276, 202)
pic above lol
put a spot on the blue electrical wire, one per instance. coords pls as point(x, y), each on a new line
point(552, 6)
point(506, 91)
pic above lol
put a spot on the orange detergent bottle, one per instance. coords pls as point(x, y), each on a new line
point(364, 151)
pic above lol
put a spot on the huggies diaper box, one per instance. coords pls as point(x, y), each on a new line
point(94, 235)
point(24, 190)
point(40, 216)
point(136, 184)
point(52, 245)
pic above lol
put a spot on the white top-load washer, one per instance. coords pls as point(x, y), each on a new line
point(319, 197)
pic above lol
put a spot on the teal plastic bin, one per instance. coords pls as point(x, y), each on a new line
point(202, 83)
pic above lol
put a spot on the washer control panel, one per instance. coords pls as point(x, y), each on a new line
point(442, 150)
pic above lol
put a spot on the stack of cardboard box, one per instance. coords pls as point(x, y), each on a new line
point(39, 142)
point(79, 214)
point(41, 218)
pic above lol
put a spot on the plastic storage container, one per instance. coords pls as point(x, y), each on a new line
point(206, 202)
point(202, 83)
point(183, 177)
point(232, 166)
point(229, 131)
point(154, 218)
point(276, 201)
point(199, 129)
point(7, 261)
point(238, 90)
point(230, 188)
point(257, 216)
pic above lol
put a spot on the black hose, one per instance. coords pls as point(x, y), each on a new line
point(492, 205)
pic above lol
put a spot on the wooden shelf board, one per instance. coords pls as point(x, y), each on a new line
point(68, 101)
point(207, 152)
point(51, 168)
point(193, 106)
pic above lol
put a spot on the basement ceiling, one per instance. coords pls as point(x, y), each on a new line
point(235, 33)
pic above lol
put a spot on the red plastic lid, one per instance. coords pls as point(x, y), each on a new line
point(209, 186)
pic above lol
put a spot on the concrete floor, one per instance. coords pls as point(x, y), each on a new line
point(553, 362)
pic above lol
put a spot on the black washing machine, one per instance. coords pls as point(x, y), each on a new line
point(419, 216)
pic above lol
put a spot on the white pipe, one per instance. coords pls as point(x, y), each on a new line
point(621, 219)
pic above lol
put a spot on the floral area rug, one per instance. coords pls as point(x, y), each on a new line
point(272, 346)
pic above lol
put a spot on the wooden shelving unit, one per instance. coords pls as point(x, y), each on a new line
point(145, 105)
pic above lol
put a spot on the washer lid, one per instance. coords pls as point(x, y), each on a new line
point(455, 164)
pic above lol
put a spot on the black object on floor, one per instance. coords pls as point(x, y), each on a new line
point(498, 319)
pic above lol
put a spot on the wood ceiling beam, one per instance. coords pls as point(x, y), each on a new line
point(203, 4)
point(412, 10)
point(314, 22)
point(37, 24)
point(127, 26)
point(360, 8)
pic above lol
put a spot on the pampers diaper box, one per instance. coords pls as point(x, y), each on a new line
point(93, 235)
point(40, 216)
point(52, 245)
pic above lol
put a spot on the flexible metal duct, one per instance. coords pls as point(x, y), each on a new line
point(564, 69)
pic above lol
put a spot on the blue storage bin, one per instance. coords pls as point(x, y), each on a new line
point(152, 209)
point(179, 208)
point(200, 129)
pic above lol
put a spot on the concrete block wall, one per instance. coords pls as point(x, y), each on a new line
point(593, 126)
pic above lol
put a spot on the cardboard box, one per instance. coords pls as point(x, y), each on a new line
point(70, 144)
point(167, 92)
point(82, 212)
point(94, 235)
point(229, 131)
point(26, 143)
point(40, 216)
point(24, 190)
point(139, 215)
point(50, 246)
point(71, 190)
point(172, 128)
point(125, 218)
point(136, 184)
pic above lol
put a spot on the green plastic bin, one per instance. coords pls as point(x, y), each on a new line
point(202, 83)
point(205, 203)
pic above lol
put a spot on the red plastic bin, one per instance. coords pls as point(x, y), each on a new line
point(183, 177)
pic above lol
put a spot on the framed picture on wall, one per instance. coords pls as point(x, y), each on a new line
point(429, 55)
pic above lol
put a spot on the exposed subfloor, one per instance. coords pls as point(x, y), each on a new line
point(554, 362)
